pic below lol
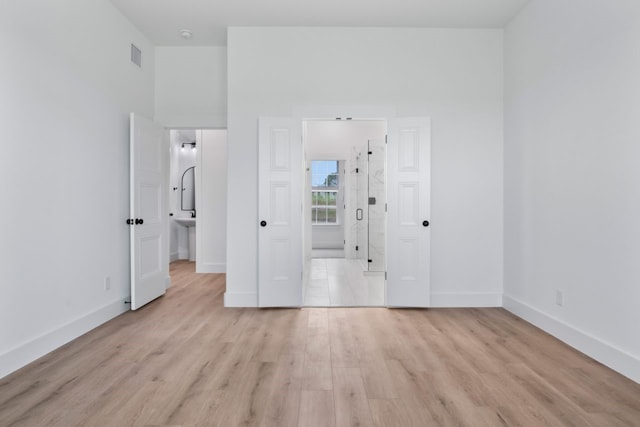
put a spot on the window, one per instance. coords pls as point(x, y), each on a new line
point(325, 180)
point(323, 207)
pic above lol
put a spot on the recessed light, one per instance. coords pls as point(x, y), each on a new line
point(186, 34)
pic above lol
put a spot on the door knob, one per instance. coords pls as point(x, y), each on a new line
point(425, 223)
point(129, 221)
point(263, 223)
point(139, 221)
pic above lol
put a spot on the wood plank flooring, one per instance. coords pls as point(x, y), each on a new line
point(184, 360)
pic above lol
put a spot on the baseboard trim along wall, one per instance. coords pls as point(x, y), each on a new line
point(466, 299)
point(249, 299)
point(211, 267)
point(602, 351)
point(440, 300)
point(29, 351)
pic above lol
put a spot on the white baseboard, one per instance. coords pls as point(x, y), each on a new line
point(211, 267)
point(594, 347)
point(29, 351)
point(173, 257)
point(240, 299)
point(466, 299)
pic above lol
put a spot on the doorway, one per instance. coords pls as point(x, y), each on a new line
point(283, 194)
point(197, 198)
point(345, 219)
point(182, 194)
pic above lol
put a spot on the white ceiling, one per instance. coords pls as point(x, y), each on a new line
point(161, 20)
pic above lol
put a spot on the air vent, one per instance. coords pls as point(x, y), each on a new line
point(136, 56)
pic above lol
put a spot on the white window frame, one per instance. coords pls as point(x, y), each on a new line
point(326, 207)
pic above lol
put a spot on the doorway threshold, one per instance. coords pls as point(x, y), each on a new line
point(334, 282)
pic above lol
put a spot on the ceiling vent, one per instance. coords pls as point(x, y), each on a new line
point(136, 56)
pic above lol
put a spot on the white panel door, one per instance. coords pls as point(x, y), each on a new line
point(409, 194)
point(148, 210)
point(280, 213)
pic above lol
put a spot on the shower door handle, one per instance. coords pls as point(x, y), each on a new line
point(359, 214)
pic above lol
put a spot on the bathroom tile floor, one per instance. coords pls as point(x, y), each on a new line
point(327, 253)
point(340, 282)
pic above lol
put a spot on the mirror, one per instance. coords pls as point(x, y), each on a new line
point(188, 196)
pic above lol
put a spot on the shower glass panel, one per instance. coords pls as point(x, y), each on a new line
point(376, 204)
point(362, 210)
point(371, 206)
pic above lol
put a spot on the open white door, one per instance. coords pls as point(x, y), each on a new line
point(148, 210)
point(280, 180)
point(409, 196)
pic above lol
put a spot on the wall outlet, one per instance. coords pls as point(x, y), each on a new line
point(560, 297)
point(107, 283)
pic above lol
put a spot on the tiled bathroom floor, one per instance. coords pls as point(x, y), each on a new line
point(339, 282)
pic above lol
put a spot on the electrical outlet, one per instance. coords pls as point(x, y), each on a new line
point(107, 283)
point(560, 297)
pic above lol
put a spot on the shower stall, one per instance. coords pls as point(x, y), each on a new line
point(369, 189)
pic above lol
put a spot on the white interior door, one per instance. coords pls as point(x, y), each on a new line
point(280, 213)
point(409, 194)
point(149, 147)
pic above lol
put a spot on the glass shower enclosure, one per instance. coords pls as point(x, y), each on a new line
point(371, 201)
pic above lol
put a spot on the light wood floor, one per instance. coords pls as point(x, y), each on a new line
point(184, 360)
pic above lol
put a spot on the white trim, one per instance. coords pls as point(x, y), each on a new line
point(174, 256)
point(466, 299)
point(211, 267)
point(356, 112)
point(594, 347)
point(29, 351)
point(241, 299)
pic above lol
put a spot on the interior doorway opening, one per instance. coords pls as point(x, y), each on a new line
point(182, 194)
point(284, 199)
point(344, 212)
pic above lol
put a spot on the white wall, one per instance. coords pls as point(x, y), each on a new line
point(211, 201)
point(453, 76)
point(191, 87)
point(572, 181)
point(67, 88)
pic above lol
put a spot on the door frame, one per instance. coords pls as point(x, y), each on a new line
point(354, 112)
point(307, 232)
point(386, 113)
